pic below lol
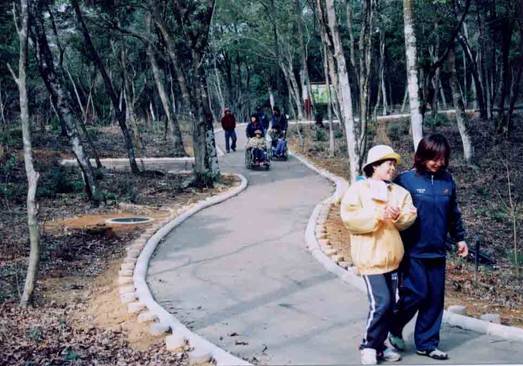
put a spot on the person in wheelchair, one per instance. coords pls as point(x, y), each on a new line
point(278, 134)
point(278, 144)
point(257, 147)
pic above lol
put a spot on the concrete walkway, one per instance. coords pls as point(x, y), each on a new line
point(239, 275)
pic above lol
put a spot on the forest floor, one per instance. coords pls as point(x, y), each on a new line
point(77, 317)
point(483, 198)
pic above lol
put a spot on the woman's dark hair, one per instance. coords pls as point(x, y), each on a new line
point(431, 147)
point(276, 110)
point(369, 169)
point(255, 116)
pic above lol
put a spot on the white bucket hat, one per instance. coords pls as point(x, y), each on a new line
point(381, 152)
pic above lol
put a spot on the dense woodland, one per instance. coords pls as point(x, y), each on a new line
point(71, 69)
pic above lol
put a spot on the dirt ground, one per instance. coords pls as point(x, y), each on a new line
point(482, 193)
point(76, 317)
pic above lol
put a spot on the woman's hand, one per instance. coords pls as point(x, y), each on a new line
point(391, 213)
point(463, 249)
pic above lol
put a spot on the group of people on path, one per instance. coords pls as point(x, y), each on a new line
point(256, 129)
point(398, 235)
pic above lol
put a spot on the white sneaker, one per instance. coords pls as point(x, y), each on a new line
point(368, 356)
point(390, 355)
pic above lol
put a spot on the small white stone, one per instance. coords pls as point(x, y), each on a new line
point(337, 258)
point(146, 316)
point(199, 356)
point(135, 307)
point(127, 266)
point(126, 288)
point(175, 343)
point(330, 251)
point(125, 280)
point(129, 260)
point(157, 329)
point(457, 309)
point(491, 318)
point(133, 253)
point(344, 264)
point(323, 242)
point(125, 273)
point(128, 297)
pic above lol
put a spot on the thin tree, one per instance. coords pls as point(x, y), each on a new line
point(120, 114)
point(330, 28)
point(32, 175)
point(416, 119)
point(461, 116)
point(54, 83)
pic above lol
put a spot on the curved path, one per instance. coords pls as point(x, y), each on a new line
point(239, 274)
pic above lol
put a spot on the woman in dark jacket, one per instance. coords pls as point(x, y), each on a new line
point(422, 271)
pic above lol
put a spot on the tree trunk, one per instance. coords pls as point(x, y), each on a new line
point(120, 114)
point(382, 73)
point(32, 175)
point(271, 97)
point(329, 104)
point(2, 109)
point(55, 85)
point(84, 121)
point(369, 7)
point(344, 96)
point(352, 43)
point(506, 75)
point(416, 119)
point(476, 76)
point(173, 127)
point(461, 116)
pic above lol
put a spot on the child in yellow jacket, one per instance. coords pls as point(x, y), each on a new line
point(374, 210)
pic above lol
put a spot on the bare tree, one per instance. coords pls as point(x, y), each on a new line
point(461, 116)
point(331, 35)
point(120, 114)
point(59, 98)
point(32, 175)
point(416, 119)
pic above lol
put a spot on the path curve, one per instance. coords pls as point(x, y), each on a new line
point(239, 275)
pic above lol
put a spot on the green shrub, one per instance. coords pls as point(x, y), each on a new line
point(320, 134)
point(11, 138)
point(338, 133)
point(436, 121)
point(58, 180)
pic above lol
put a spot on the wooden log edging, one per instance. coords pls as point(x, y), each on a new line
point(135, 293)
point(320, 249)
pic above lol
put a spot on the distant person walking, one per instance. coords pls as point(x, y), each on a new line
point(422, 272)
point(374, 210)
point(229, 125)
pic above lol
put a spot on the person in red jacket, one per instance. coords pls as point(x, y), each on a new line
point(228, 125)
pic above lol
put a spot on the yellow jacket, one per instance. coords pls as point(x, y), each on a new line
point(376, 245)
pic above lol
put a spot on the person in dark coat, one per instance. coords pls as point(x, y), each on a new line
point(279, 121)
point(229, 125)
point(262, 118)
point(422, 271)
point(254, 125)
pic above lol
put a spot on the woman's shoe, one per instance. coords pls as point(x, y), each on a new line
point(435, 354)
point(389, 355)
point(397, 342)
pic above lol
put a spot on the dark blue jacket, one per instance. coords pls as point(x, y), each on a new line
point(263, 120)
point(251, 127)
point(434, 196)
point(279, 122)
